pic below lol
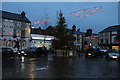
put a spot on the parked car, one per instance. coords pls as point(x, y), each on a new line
point(112, 54)
point(7, 53)
point(93, 52)
point(33, 52)
point(103, 50)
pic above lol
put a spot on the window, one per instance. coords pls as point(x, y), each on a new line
point(114, 32)
point(8, 49)
point(101, 40)
point(113, 39)
point(4, 43)
point(6, 20)
point(10, 26)
point(106, 41)
point(101, 34)
point(11, 21)
point(18, 22)
point(8, 43)
point(106, 34)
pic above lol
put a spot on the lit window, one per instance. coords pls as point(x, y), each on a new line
point(10, 33)
point(8, 43)
point(114, 32)
point(11, 21)
point(6, 20)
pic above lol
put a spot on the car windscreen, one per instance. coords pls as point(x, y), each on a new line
point(113, 51)
point(33, 49)
point(6, 49)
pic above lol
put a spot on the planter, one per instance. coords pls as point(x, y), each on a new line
point(65, 53)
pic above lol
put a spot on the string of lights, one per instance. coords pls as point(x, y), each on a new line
point(41, 22)
point(86, 12)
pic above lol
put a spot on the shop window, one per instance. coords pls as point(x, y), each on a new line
point(8, 43)
point(116, 47)
point(23, 43)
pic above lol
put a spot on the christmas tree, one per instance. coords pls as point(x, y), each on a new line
point(63, 40)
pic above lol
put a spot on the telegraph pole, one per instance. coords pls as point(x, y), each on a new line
point(46, 24)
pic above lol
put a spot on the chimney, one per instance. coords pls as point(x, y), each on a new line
point(23, 14)
point(74, 28)
point(89, 32)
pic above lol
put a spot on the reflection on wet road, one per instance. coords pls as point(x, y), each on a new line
point(61, 68)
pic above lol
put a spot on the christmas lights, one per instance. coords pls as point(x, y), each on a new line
point(41, 22)
point(86, 12)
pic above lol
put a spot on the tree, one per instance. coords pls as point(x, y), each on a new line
point(63, 40)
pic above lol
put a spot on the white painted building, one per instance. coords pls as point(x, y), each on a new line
point(41, 40)
point(14, 28)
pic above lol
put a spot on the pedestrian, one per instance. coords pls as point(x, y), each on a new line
point(78, 51)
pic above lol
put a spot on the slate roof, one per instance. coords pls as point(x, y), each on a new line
point(13, 16)
point(47, 31)
point(111, 28)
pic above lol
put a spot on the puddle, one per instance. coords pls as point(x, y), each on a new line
point(42, 68)
point(50, 59)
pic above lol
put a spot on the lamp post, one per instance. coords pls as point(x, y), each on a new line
point(22, 28)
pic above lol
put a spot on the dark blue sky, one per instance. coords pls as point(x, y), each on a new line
point(37, 10)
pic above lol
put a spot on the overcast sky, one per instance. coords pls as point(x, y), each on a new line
point(98, 21)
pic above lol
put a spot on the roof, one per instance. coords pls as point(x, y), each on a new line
point(77, 32)
point(111, 28)
point(13, 16)
point(47, 31)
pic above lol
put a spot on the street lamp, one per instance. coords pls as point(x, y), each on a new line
point(32, 26)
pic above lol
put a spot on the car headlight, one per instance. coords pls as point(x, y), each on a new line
point(19, 53)
point(89, 54)
point(114, 56)
point(22, 52)
point(25, 54)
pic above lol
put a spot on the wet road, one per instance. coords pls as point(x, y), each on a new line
point(61, 68)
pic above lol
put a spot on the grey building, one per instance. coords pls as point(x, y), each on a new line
point(78, 43)
point(107, 37)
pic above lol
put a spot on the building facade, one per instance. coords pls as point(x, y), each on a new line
point(107, 37)
point(41, 38)
point(91, 39)
point(78, 43)
point(14, 30)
